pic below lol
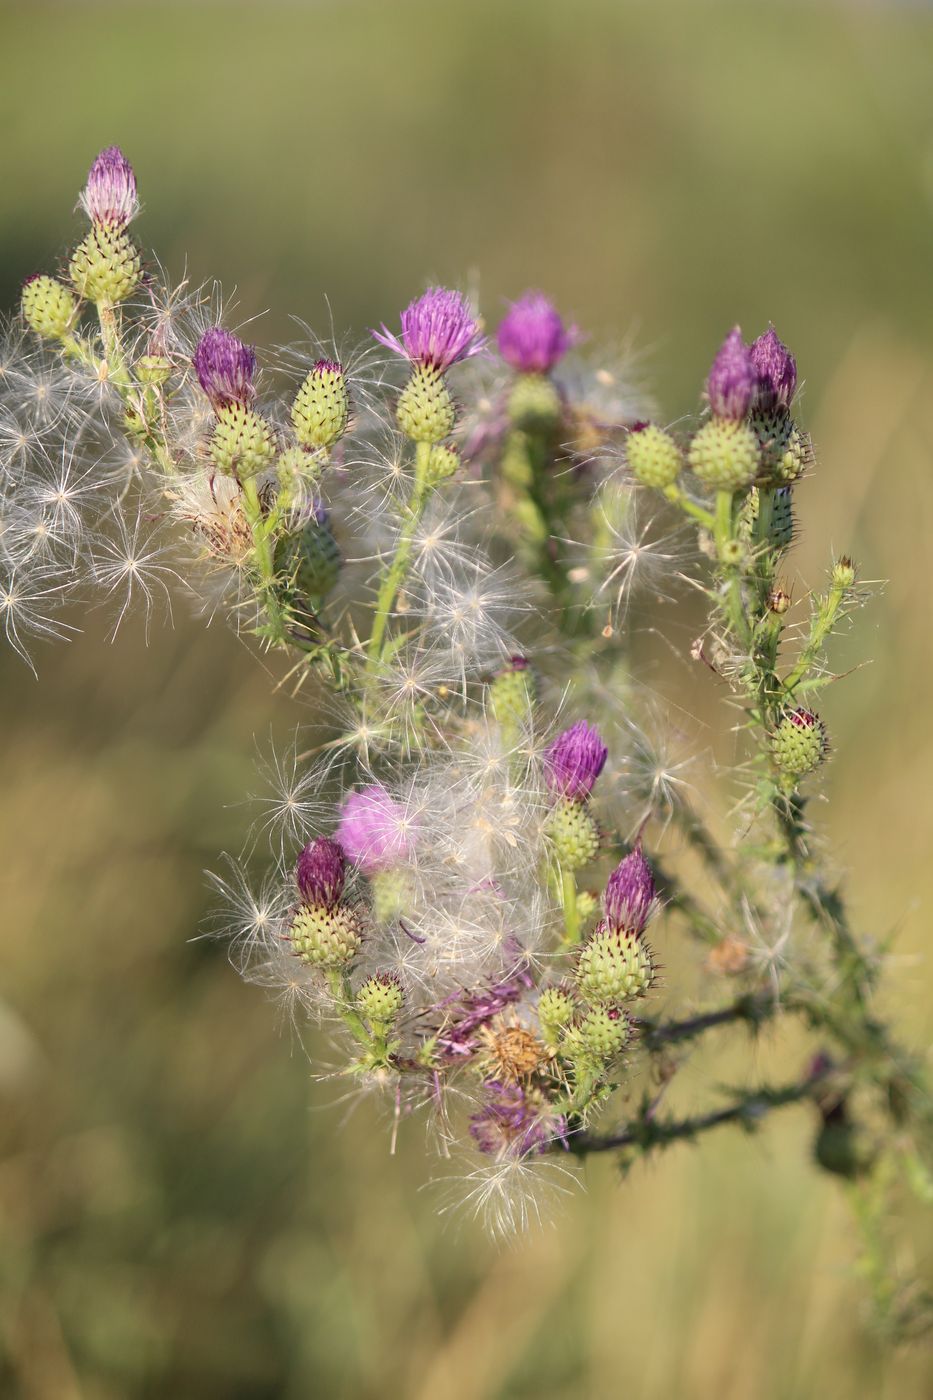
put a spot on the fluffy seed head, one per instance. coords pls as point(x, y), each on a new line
point(374, 830)
point(776, 370)
point(438, 329)
point(574, 760)
point(630, 894)
point(732, 379)
point(320, 873)
point(109, 197)
point(532, 335)
point(225, 368)
point(514, 1122)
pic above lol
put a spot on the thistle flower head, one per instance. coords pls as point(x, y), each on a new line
point(320, 873)
point(630, 894)
point(109, 197)
point(776, 369)
point(438, 329)
point(732, 379)
point(225, 368)
point(374, 830)
point(574, 760)
point(532, 335)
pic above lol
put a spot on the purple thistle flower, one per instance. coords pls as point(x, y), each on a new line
point(733, 378)
point(510, 1123)
point(374, 830)
point(471, 1010)
point(532, 336)
point(109, 197)
point(776, 369)
point(225, 368)
point(320, 873)
point(438, 329)
point(574, 760)
point(630, 894)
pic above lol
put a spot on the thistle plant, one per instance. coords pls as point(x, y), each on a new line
point(438, 539)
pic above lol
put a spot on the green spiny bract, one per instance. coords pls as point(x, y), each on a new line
point(724, 454)
point(442, 464)
point(800, 743)
point(573, 834)
point(425, 410)
point(321, 408)
point(512, 694)
point(326, 937)
point(653, 457)
point(786, 451)
point(534, 403)
point(555, 1013)
point(308, 560)
point(48, 306)
point(614, 966)
point(603, 1033)
point(105, 266)
point(380, 999)
point(241, 443)
point(780, 533)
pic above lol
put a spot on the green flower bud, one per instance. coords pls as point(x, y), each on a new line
point(653, 456)
point(512, 694)
point(614, 967)
point(587, 905)
point(781, 525)
point(241, 443)
point(153, 369)
point(799, 743)
point(786, 451)
point(322, 406)
point(555, 1013)
point(392, 893)
point(105, 266)
point(308, 560)
point(724, 454)
point(425, 410)
point(603, 1032)
point(573, 834)
point(48, 306)
point(442, 464)
point(843, 574)
point(326, 937)
point(380, 999)
point(297, 471)
point(534, 403)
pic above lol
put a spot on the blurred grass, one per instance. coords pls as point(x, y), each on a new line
point(180, 1214)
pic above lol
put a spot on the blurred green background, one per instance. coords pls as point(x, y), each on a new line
point(180, 1214)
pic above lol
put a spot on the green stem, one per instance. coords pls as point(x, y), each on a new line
point(678, 497)
point(394, 576)
point(821, 626)
point(568, 889)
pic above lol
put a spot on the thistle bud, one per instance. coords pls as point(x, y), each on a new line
point(630, 894)
point(442, 464)
point(532, 335)
point(604, 1032)
point(241, 443)
point(732, 379)
point(799, 743)
point(308, 559)
point(843, 573)
point(614, 966)
point(320, 873)
point(574, 760)
point(380, 1000)
point(225, 368)
point(48, 307)
point(326, 938)
point(105, 266)
point(512, 693)
point(425, 410)
point(534, 403)
point(321, 408)
point(555, 1013)
point(725, 454)
point(109, 197)
point(786, 451)
point(573, 834)
point(653, 456)
point(775, 369)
